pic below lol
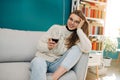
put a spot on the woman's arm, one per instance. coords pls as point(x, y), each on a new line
point(42, 45)
point(84, 43)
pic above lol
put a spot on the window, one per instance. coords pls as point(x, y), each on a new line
point(112, 26)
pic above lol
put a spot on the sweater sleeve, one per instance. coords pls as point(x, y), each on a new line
point(42, 44)
point(84, 44)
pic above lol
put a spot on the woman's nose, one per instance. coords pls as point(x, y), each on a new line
point(72, 22)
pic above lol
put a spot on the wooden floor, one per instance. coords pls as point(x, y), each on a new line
point(112, 73)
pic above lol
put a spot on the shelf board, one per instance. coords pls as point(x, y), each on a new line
point(96, 35)
point(96, 51)
point(96, 2)
point(95, 19)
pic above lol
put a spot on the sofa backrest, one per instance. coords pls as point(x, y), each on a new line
point(18, 45)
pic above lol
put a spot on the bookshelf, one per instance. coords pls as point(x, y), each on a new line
point(95, 12)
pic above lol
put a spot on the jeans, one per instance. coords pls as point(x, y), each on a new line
point(39, 66)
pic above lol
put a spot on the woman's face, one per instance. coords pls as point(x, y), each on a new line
point(73, 21)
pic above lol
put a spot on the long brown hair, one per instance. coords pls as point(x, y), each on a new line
point(73, 38)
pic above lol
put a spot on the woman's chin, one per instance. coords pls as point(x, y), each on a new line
point(70, 29)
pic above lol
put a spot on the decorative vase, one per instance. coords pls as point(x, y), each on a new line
point(107, 61)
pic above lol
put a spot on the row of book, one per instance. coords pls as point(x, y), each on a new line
point(96, 30)
point(100, 0)
point(92, 11)
point(96, 44)
point(95, 0)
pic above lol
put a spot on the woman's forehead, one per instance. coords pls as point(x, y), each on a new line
point(74, 16)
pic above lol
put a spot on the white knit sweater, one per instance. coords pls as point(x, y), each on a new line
point(62, 33)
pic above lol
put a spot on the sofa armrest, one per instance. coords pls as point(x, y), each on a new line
point(81, 67)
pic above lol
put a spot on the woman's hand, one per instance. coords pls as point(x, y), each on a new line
point(51, 44)
point(81, 23)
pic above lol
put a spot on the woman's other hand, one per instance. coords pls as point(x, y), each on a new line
point(51, 44)
point(81, 23)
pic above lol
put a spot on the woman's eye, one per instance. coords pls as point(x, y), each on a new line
point(77, 22)
point(71, 19)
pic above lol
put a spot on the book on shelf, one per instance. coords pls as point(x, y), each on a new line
point(96, 29)
point(92, 11)
point(97, 44)
point(101, 0)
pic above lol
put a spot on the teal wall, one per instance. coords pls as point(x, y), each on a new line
point(33, 14)
point(111, 54)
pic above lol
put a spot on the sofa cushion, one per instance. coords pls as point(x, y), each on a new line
point(67, 76)
point(15, 71)
point(18, 45)
point(21, 71)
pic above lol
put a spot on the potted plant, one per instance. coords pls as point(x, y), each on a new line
point(110, 46)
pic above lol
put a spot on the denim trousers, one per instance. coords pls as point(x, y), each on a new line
point(39, 66)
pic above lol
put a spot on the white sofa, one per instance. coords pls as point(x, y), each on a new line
point(17, 49)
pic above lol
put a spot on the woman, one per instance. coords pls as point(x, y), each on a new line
point(61, 47)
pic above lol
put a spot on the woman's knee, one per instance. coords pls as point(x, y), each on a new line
point(38, 62)
point(72, 57)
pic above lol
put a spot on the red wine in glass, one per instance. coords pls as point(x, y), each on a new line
point(55, 40)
